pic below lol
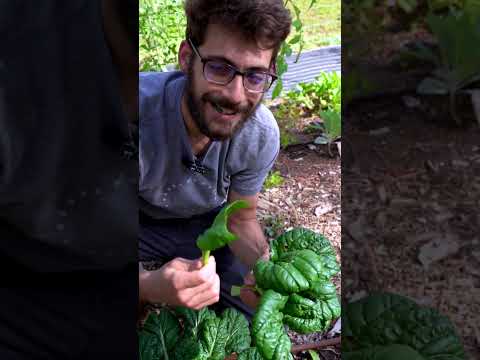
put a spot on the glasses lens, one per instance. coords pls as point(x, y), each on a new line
point(218, 72)
point(257, 81)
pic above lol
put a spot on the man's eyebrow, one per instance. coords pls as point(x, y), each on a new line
point(228, 61)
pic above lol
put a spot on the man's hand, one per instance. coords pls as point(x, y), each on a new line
point(181, 282)
point(251, 244)
point(247, 293)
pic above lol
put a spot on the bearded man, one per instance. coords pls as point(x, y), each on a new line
point(206, 140)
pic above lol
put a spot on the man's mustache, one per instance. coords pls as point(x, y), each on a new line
point(225, 103)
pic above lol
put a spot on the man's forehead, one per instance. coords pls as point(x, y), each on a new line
point(221, 41)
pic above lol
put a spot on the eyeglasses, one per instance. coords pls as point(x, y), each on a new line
point(221, 73)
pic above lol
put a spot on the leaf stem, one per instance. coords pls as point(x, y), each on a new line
point(205, 257)
point(235, 290)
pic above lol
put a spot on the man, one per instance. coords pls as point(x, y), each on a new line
point(206, 139)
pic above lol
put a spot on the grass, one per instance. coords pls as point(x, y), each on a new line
point(321, 24)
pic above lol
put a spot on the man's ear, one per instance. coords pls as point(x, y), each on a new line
point(273, 67)
point(184, 56)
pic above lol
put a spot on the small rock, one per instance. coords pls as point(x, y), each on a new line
point(438, 249)
point(322, 210)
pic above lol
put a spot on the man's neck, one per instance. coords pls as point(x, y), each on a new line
point(198, 141)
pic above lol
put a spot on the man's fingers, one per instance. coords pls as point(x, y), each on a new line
point(249, 279)
point(187, 278)
point(249, 297)
point(202, 295)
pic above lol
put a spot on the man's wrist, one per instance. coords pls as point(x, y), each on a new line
point(265, 255)
point(143, 286)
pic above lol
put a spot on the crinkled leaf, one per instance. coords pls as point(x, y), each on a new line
point(213, 338)
point(301, 239)
point(292, 272)
point(159, 335)
point(238, 332)
point(193, 319)
point(149, 346)
point(218, 234)
point(189, 348)
point(385, 319)
point(305, 315)
point(250, 354)
point(267, 328)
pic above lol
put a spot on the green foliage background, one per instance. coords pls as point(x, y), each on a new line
point(162, 28)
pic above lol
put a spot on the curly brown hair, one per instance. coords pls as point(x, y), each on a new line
point(267, 22)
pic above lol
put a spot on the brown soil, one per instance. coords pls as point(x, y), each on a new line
point(411, 178)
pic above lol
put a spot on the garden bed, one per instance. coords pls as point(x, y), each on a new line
point(410, 205)
point(308, 197)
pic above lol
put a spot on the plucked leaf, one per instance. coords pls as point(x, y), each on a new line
point(218, 234)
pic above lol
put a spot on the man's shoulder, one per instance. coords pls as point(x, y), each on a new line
point(260, 133)
point(154, 83)
point(263, 121)
point(158, 90)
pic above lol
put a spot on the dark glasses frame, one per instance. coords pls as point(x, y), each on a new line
point(268, 83)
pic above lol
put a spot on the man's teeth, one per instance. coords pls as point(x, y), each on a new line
point(222, 110)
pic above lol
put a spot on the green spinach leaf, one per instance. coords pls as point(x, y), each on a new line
point(267, 327)
point(158, 336)
point(238, 332)
point(372, 324)
point(293, 272)
point(301, 239)
point(218, 234)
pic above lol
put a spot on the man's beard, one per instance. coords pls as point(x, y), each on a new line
point(196, 107)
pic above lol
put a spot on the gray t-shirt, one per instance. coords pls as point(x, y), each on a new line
point(168, 188)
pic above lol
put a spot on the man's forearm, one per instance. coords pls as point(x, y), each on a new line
point(251, 244)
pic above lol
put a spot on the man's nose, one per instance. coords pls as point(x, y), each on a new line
point(236, 91)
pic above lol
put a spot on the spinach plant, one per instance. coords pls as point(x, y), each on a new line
point(295, 291)
point(385, 326)
point(331, 127)
point(458, 36)
point(273, 179)
point(185, 334)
